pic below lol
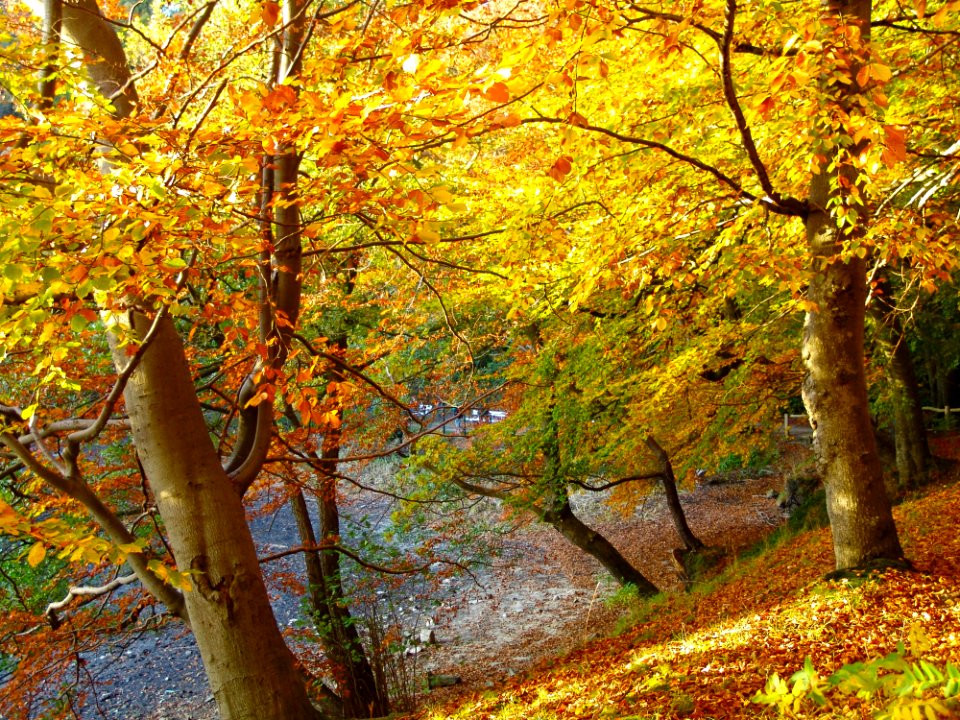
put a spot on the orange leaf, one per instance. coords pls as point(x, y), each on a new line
point(498, 92)
point(271, 12)
point(895, 144)
point(561, 168)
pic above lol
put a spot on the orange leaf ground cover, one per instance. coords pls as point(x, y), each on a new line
point(706, 653)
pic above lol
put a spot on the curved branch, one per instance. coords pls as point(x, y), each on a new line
point(106, 519)
point(730, 94)
point(788, 206)
point(657, 475)
point(86, 594)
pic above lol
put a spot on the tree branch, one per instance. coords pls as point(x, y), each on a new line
point(790, 207)
point(86, 594)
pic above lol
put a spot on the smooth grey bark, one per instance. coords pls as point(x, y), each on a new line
point(250, 669)
point(835, 388)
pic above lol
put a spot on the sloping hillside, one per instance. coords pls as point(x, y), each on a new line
point(707, 653)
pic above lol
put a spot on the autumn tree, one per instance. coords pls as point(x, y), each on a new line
point(761, 121)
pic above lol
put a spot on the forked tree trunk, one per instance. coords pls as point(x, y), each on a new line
point(835, 388)
point(251, 671)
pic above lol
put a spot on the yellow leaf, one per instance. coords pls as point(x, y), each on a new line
point(428, 235)
point(442, 195)
point(36, 555)
point(880, 72)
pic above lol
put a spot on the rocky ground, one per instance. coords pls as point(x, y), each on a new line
point(540, 596)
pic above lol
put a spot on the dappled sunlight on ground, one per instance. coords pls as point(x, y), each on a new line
point(706, 654)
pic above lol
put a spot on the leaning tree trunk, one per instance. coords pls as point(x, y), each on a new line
point(690, 541)
point(559, 514)
point(251, 671)
point(835, 388)
point(596, 545)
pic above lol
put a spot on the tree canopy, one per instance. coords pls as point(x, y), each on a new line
point(242, 236)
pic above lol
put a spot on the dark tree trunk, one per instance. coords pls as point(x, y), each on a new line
point(597, 546)
point(835, 388)
point(910, 433)
point(560, 515)
point(690, 541)
point(359, 690)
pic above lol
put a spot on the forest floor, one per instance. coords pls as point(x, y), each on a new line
point(707, 653)
point(539, 598)
point(536, 636)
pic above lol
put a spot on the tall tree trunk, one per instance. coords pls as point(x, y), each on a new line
point(835, 388)
point(251, 671)
point(596, 545)
point(910, 433)
point(690, 541)
point(360, 693)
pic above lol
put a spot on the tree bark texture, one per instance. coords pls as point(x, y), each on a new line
point(690, 541)
point(597, 546)
point(835, 388)
point(250, 669)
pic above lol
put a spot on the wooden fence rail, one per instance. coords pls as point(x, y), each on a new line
point(793, 429)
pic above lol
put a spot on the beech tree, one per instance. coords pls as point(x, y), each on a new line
point(763, 121)
point(251, 671)
point(668, 187)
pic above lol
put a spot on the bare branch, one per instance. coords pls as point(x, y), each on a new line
point(360, 561)
point(730, 94)
point(85, 594)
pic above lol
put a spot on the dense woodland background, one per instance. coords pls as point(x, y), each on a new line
point(515, 251)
